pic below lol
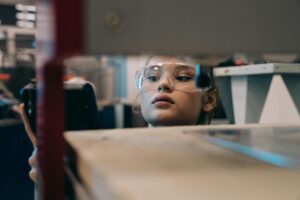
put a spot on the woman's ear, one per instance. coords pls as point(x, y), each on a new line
point(210, 100)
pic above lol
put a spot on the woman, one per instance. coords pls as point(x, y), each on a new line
point(168, 94)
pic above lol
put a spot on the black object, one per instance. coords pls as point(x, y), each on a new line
point(80, 105)
point(15, 149)
point(205, 77)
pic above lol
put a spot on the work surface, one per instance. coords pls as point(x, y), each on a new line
point(208, 162)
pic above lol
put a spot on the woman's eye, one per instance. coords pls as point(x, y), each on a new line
point(152, 78)
point(184, 78)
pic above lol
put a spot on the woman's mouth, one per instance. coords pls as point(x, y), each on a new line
point(162, 100)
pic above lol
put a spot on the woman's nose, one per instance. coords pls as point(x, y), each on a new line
point(165, 84)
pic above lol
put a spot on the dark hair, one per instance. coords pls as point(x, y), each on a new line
point(206, 117)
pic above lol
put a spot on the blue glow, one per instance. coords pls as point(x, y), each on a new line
point(268, 157)
point(198, 69)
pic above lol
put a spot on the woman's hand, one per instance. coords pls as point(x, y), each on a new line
point(33, 158)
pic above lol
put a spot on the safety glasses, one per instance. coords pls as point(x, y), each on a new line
point(179, 77)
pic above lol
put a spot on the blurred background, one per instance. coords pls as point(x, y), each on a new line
point(113, 77)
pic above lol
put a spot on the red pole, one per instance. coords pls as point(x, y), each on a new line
point(61, 21)
point(69, 27)
point(51, 127)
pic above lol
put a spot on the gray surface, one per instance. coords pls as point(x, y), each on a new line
point(256, 97)
point(195, 27)
point(225, 93)
point(261, 69)
point(293, 84)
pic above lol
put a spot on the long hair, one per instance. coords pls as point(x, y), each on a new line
point(213, 95)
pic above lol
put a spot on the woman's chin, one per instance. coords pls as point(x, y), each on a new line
point(165, 119)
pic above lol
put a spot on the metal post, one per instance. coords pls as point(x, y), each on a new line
point(63, 21)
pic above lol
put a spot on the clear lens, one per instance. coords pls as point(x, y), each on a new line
point(180, 78)
point(181, 73)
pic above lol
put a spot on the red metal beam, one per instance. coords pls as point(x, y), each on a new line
point(65, 17)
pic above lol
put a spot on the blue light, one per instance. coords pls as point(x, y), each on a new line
point(268, 157)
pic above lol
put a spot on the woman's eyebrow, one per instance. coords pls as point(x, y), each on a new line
point(184, 67)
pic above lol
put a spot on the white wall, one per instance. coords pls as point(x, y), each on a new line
point(279, 106)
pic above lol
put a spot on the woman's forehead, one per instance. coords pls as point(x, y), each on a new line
point(171, 60)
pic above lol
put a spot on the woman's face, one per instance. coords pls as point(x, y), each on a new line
point(169, 100)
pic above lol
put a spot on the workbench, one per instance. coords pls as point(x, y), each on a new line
point(228, 162)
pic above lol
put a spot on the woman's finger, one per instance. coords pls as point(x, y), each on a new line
point(33, 163)
point(28, 129)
